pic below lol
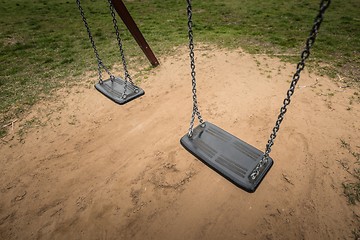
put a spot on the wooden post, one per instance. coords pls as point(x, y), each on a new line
point(134, 30)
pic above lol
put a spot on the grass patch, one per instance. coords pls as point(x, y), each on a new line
point(2, 132)
point(44, 44)
point(356, 233)
point(352, 189)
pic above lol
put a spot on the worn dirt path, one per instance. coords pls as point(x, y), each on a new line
point(90, 169)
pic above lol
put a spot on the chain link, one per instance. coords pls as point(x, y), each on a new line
point(121, 48)
point(193, 74)
point(99, 61)
point(300, 66)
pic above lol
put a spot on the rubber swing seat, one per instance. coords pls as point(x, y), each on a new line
point(114, 89)
point(231, 157)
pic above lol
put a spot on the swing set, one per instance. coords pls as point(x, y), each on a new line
point(120, 90)
point(237, 161)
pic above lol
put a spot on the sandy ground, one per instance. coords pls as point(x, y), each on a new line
point(87, 168)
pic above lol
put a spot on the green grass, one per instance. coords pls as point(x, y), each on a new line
point(44, 44)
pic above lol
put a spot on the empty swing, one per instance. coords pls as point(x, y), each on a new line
point(117, 89)
point(234, 159)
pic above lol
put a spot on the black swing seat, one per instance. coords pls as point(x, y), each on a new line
point(229, 156)
point(114, 89)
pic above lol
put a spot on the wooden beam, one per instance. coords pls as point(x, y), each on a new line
point(134, 30)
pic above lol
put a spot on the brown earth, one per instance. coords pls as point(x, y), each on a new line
point(83, 167)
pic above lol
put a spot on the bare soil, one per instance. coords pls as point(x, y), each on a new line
point(83, 167)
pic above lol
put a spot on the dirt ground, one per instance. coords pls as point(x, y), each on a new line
point(83, 167)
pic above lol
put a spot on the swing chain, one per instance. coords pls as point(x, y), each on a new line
point(126, 73)
point(300, 66)
point(100, 63)
point(192, 64)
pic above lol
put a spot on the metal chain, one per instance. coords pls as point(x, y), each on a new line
point(192, 64)
point(100, 63)
point(126, 73)
point(300, 66)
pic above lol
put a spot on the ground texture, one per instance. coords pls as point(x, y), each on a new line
point(82, 167)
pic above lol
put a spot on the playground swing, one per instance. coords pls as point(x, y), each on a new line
point(117, 89)
point(237, 161)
